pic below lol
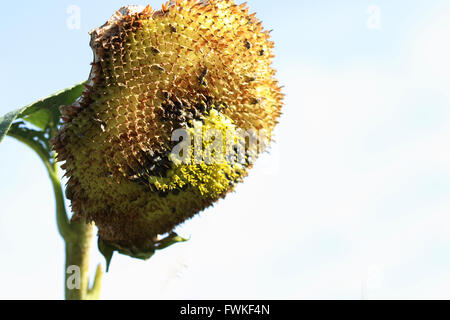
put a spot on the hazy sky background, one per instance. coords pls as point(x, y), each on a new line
point(353, 201)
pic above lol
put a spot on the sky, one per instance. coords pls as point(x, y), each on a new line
point(351, 202)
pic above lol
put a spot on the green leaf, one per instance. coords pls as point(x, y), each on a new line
point(41, 118)
point(170, 240)
point(43, 113)
point(6, 122)
point(107, 251)
point(46, 111)
point(37, 140)
point(141, 254)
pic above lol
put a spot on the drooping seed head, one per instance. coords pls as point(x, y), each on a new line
point(191, 64)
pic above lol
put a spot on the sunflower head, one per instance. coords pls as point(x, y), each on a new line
point(202, 67)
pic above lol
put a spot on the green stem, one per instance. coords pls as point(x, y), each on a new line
point(65, 229)
point(77, 255)
point(77, 235)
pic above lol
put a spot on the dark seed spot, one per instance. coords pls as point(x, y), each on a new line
point(255, 101)
point(201, 79)
point(163, 194)
point(101, 123)
point(166, 94)
point(157, 67)
point(155, 50)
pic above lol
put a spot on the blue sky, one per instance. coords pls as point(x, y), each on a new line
point(352, 202)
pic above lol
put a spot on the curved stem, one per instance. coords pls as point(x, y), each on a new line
point(64, 227)
point(52, 169)
point(77, 235)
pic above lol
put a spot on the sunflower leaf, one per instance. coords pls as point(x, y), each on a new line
point(6, 122)
point(43, 113)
